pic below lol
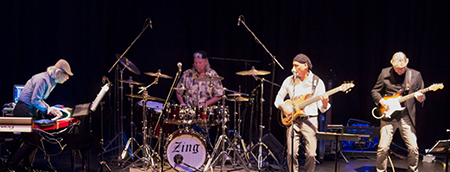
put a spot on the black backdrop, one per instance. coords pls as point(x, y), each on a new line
point(353, 40)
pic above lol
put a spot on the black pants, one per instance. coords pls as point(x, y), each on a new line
point(26, 148)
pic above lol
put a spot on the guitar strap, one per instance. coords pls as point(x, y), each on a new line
point(314, 83)
point(407, 87)
point(408, 81)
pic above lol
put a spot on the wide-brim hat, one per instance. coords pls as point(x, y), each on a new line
point(64, 65)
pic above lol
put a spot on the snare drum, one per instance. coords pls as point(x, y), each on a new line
point(186, 150)
point(180, 115)
point(156, 106)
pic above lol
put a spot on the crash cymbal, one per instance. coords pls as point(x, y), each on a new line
point(209, 78)
point(253, 71)
point(160, 75)
point(238, 99)
point(128, 64)
point(130, 81)
point(147, 97)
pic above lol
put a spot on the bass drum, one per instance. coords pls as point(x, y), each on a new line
point(186, 150)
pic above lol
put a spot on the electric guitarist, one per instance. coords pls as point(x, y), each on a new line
point(390, 81)
point(302, 82)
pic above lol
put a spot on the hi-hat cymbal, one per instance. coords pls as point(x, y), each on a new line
point(234, 94)
point(179, 88)
point(238, 99)
point(128, 64)
point(130, 81)
point(209, 78)
point(253, 71)
point(157, 73)
point(147, 97)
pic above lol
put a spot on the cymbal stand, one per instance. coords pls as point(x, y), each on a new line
point(220, 144)
point(238, 141)
point(260, 159)
point(129, 147)
point(147, 151)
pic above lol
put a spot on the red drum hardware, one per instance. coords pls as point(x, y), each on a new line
point(179, 115)
point(212, 116)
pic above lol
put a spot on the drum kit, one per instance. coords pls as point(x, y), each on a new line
point(185, 149)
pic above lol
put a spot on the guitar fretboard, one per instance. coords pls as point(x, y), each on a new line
point(317, 98)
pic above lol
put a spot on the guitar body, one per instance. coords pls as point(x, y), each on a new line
point(287, 119)
point(307, 99)
point(394, 106)
point(394, 102)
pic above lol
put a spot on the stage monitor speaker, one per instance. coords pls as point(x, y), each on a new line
point(275, 146)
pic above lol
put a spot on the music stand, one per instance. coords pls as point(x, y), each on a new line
point(441, 146)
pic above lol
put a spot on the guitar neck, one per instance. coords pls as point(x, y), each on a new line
point(409, 96)
point(317, 98)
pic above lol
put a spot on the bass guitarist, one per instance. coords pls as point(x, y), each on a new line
point(391, 81)
point(305, 84)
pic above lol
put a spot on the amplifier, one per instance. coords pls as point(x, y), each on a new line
point(367, 130)
point(368, 143)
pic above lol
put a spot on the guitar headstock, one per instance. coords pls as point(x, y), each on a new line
point(346, 86)
point(436, 86)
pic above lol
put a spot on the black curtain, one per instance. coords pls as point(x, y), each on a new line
point(346, 41)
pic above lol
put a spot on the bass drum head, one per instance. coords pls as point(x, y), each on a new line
point(186, 150)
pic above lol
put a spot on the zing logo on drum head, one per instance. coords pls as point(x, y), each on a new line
point(186, 147)
point(186, 151)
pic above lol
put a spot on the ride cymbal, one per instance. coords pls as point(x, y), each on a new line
point(130, 81)
point(253, 71)
point(209, 78)
point(158, 73)
point(147, 97)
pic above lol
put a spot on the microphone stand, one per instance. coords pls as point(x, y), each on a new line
point(161, 151)
point(292, 122)
point(260, 144)
point(148, 24)
point(257, 41)
point(241, 19)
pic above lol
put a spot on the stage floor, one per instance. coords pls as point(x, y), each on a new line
point(356, 163)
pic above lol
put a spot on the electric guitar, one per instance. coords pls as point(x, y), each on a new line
point(394, 102)
point(305, 100)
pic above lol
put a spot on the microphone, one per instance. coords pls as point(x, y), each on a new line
point(179, 64)
point(104, 79)
point(150, 22)
point(239, 20)
point(294, 73)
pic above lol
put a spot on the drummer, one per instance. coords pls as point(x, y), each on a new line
point(199, 93)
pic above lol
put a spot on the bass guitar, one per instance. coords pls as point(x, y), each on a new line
point(394, 102)
point(305, 100)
